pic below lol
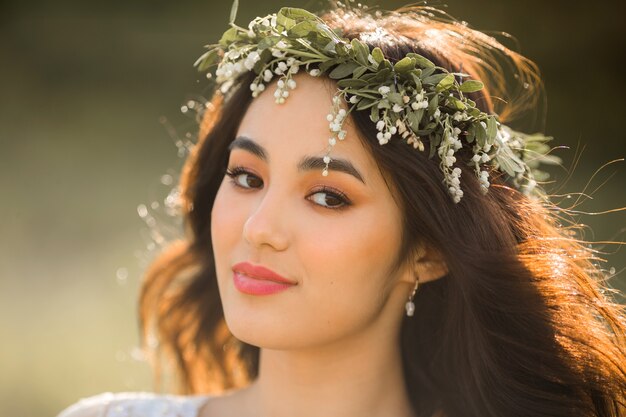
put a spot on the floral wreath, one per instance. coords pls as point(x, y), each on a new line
point(412, 98)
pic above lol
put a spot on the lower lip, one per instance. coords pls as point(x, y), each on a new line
point(248, 285)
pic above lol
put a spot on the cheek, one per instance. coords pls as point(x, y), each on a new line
point(226, 218)
point(348, 266)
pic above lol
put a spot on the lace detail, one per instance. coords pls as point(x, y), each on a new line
point(140, 404)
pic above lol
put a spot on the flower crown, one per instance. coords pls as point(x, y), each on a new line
point(412, 98)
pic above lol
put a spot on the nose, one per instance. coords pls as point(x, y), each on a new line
point(265, 224)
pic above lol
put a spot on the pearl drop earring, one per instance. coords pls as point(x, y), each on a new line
point(410, 306)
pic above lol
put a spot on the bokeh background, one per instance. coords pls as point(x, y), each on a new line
point(90, 104)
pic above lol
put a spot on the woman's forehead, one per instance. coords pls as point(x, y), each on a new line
point(300, 122)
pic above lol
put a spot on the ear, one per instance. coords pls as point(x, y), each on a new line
point(428, 265)
point(430, 268)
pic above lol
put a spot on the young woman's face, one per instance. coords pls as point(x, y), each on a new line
point(335, 237)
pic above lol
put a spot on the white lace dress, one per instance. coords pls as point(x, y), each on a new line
point(136, 404)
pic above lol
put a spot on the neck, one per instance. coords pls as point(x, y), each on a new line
point(359, 376)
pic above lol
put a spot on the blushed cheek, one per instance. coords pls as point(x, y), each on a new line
point(224, 226)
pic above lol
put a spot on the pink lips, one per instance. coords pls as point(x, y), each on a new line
point(258, 280)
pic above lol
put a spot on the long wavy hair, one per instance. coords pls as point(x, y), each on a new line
point(522, 324)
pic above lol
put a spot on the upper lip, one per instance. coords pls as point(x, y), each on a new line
point(260, 272)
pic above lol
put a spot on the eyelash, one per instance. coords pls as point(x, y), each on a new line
point(232, 173)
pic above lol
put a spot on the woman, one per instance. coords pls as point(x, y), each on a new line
point(405, 264)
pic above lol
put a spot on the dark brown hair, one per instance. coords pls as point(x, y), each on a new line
point(521, 325)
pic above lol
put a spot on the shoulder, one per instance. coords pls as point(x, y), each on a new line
point(136, 404)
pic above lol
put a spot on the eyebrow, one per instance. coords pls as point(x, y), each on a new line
point(307, 163)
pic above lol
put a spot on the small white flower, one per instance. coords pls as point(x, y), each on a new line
point(332, 141)
point(326, 159)
point(406, 99)
point(281, 84)
point(380, 136)
point(475, 158)
point(330, 117)
point(387, 135)
point(384, 90)
point(314, 73)
point(380, 125)
point(285, 93)
point(354, 99)
point(485, 158)
point(291, 84)
point(342, 134)
point(281, 45)
point(342, 113)
point(267, 76)
point(397, 108)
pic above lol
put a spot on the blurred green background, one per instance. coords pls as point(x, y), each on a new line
point(84, 87)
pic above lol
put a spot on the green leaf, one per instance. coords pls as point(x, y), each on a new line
point(378, 56)
point(433, 103)
point(233, 11)
point(366, 103)
point(358, 72)
point(302, 29)
point(406, 64)
point(481, 134)
point(283, 20)
point(351, 82)
point(456, 103)
point(266, 56)
point(421, 61)
point(228, 37)
point(415, 118)
point(395, 98)
point(324, 66)
point(268, 42)
point(492, 129)
point(374, 114)
point(296, 13)
point(208, 59)
point(446, 83)
point(432, 79)
point(471, 134)
point(361, 51)
point(471, 86)
point(343, 70)
point(384, 104)
point(382, 75)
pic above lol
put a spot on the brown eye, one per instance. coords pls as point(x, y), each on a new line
point(244, 179)
point(329, 198)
